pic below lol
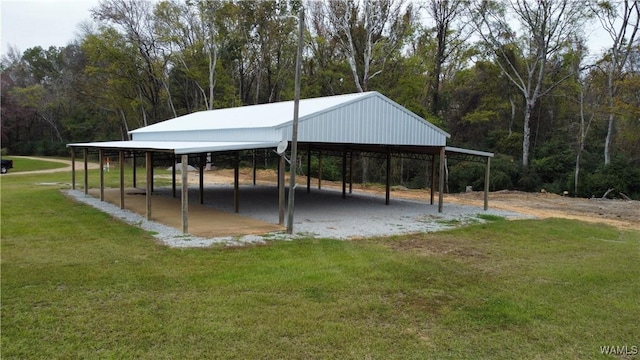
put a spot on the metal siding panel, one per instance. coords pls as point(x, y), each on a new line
point(371, 120)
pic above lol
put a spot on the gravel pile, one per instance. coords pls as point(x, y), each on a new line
point(319, 214)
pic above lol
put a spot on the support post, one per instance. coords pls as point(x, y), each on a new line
point(344, 174)
point(151, 170)
point(121, 165)
point(173, 176)
point(135, 170)
point(294, 127)
point(202, 164)
point(85, 154)
point(101, 155)
point(149, 181)
point(236, 180)
point(486, 183)
point(388, 183)
point(185, 194)
point(254, 167)
point(351, 172)
point(441, 179)
point(319, 170)
point(309, 170)
point(433, 177)
point(281, 165)
point(73, 168)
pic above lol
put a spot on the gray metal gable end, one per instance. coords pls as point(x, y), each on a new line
point(410, 113)
point(369, 119)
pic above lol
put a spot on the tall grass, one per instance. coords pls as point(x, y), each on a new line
point(78, 284)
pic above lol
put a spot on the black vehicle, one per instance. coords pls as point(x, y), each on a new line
point(6, 165)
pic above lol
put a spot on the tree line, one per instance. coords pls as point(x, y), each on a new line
point(514, 77)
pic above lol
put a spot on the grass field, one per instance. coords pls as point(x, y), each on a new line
point(22, 164)
point(79, 284)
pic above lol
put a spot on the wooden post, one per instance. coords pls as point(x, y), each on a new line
point(101, 155)
point(173, 176)
point(281, 165)
point(151, 170)
point(388, 184)
point(254, 167)
point(202, 164)
point(319, 170)
point(121, 164)
point(185, 194)
point(135, 170)
point(344, 174)
point(433, 177)
point(149, 181)
point(441, 179)
point(85, 154)
point(309, 170)
point(486, 183)
point(351, 172)
point(73, 168)
point(236, 180)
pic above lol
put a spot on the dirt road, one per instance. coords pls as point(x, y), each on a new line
point(79, 165)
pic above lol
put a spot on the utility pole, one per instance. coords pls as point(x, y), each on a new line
point(294, 133)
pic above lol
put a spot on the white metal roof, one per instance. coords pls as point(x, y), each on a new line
point(247, 117)
point(179, 147)
point(361, 118)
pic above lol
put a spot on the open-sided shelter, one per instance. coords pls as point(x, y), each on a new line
point(361, 123)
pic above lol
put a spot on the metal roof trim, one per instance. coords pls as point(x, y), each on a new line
point(177, 147)
point(468, 151)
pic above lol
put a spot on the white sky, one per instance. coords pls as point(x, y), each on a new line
point(29, 23)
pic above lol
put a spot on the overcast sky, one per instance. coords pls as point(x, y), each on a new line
point(29, 23)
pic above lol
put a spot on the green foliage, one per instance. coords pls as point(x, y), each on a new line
point(118, 78)
point(618, 175)
point(553, 160)
point(504, 174)
point(331, 168)
point(482, 116)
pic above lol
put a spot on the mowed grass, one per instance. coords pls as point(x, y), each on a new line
point(78, 284)
point(24, 164)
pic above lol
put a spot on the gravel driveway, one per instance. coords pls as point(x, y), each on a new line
point(320, 214)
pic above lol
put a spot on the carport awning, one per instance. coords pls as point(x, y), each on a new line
point(178, 147)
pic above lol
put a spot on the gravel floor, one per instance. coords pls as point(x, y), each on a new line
point(321, 214)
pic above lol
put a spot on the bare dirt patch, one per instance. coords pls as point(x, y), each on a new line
point(620, 213)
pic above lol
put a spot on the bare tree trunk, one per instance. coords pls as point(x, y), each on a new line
point(213, 60)
point(124, 120)
point(513, 115)
point(607, 142)
point(53, 125)
point(526, 133)
point(611, 94)
point(169, 99)
point(622, 23)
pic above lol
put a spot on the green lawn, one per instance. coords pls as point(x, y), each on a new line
point(22, 164)
point(79, 284)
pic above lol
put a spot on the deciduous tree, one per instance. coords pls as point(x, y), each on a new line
point(545, 28)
